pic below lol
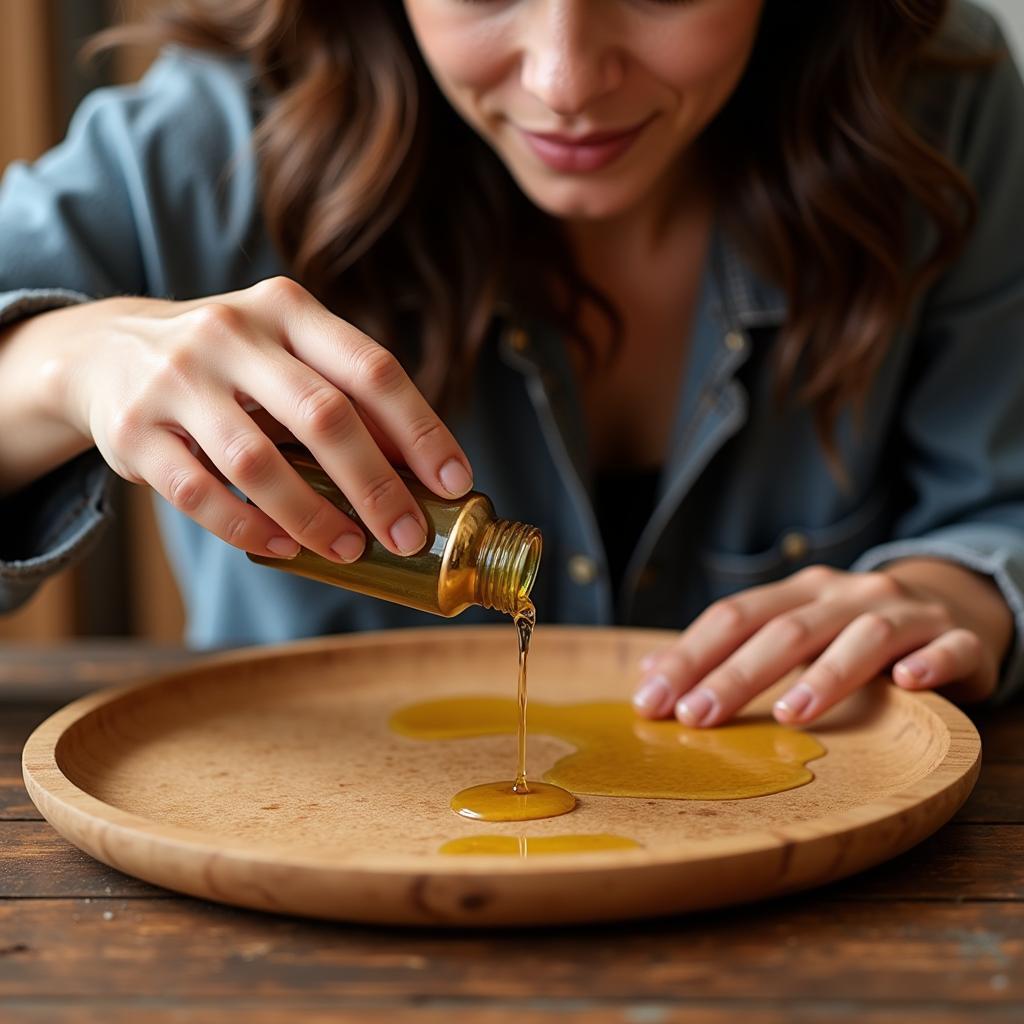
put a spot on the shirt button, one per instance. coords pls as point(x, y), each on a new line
point(646, 578)
point(734, 341)
point(794, 546)
point(518, 340)
point(582, 570)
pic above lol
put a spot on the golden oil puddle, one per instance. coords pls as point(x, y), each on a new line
point(619, 754)
point(512, 801)
point(533, 846)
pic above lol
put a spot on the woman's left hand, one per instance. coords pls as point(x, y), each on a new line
point(926, 622)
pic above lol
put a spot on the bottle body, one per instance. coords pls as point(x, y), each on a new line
point(470, 556)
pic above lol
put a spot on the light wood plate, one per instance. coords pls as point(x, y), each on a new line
point(269, 778)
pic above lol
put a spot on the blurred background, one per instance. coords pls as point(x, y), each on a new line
point(125, 588)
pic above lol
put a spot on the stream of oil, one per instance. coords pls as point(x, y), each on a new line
point(518, 800)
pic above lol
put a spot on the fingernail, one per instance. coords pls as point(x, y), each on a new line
point(794, 703)
point(283, 547)
point(653, 696)
point(647, 662)
point(349, 546)
point(915, 667)
point(695, 707)
point(407, 535)
point(455, 478)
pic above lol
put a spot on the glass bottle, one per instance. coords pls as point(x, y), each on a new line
point(470, 556)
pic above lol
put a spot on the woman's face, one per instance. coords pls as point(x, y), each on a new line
point(589, 103)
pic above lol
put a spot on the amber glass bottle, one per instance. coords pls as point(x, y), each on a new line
point(470, 557)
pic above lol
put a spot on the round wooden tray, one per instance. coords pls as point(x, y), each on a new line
point(270, 778)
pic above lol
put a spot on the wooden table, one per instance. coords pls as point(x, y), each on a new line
point(935, 936)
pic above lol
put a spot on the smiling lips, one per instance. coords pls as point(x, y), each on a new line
point(586, 153)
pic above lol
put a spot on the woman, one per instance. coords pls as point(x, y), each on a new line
point(699, 286)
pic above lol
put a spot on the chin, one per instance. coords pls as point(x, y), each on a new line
point(573, 200)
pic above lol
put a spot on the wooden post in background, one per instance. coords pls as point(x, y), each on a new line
point(28, 124)
point(40, 83)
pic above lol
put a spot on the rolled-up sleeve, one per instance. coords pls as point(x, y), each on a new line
point(962, 419)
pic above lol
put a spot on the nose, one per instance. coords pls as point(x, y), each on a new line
point(568, 60)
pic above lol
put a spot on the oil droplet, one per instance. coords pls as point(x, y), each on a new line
point(532, 846)
point(619, 754)
point(501, 801)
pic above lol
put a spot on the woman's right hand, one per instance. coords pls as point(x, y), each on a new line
point(171, 394)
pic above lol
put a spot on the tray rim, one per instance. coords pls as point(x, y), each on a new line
point(54, 794)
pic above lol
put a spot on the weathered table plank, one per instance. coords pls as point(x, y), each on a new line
point(940, 953)
point(581, 1011)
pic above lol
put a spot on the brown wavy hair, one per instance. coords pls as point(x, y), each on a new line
point(396, 215)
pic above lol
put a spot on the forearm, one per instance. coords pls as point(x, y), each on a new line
point(35, 437)
point(973, 599)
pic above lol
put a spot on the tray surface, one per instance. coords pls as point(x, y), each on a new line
point(271, 778)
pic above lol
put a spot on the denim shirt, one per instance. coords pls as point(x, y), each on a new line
point(155, 191)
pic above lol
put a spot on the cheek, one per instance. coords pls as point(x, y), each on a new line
point(467, 52)
point(702, 57)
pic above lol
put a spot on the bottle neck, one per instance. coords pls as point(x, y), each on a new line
point(506, 565)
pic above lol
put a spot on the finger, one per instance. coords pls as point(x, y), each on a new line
point(788, 640)
point(171, 469)
point(956, 660)
point(330, 425)
point(861, 652)
point(327, 422)
point(247, 458)
point(375, 379)
point(714, 635)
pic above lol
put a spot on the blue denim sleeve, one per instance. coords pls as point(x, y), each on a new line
point(962, 423)
point(89, 220)
point(57, 520)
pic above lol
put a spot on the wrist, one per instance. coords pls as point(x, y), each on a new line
point(37, 432)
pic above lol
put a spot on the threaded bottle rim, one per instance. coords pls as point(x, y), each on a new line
point(507, 564)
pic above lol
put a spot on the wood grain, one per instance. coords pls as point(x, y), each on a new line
point(269, 779)
point(958, 863)
point(947, 955)
point(169, 1011)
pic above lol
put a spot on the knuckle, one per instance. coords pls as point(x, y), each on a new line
point(732, 683)
point(876, 628)
point(378, 368)
point(679, 661)
point(880, 586)
point(970, 643)
point(817, 575)
point(727, 615)
point(326, 412)
point(939, 613)
point(180, 367)
point(235, 530)
point(827, 678)
point(943, 662)
point(788, 631)
point(312, 520)
point(126, 427)
point(215, 319)
point(426, 431)
point(247, 457)
point(380, 493)
point(186, 491)
point(280, 289)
